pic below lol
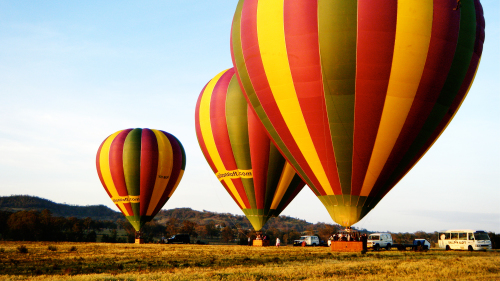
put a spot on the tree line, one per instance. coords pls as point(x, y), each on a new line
point(43, 226)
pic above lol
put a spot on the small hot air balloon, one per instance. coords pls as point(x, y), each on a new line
point(240, 153)
point(140, 170)
point(355, 92)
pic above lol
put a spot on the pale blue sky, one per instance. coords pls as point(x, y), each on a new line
point(71, 73)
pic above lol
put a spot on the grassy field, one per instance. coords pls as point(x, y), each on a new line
point(100, 261)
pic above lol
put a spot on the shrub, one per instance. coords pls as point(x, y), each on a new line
point(2, 250)
point(52, 248)
point(22, 249)
point(67, 271)
point(72, 249)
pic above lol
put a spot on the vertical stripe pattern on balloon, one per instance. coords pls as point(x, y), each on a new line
point(353, 93)
point(140, 169)
point(241, 155)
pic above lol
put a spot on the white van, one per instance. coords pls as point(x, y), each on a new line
point(310, 241)
point(379, 240)
point(464, 239)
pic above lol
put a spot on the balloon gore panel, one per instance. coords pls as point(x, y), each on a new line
point(140, 169)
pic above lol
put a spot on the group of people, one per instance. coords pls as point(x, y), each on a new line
point(349, 237)
point(259, 237)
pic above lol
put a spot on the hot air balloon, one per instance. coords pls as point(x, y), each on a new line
point(140, 170)
point(240, 153)
point(354, 93)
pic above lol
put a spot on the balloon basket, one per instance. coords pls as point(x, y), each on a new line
point(138, 238)
point(260, 243)
point(346, 246)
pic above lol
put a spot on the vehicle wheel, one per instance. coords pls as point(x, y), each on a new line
point(470, 248)
point(448, 247)
point(376, 247)
point(388, 247)
point(314, 244)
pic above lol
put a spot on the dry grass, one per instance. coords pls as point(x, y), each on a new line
point(99, 261)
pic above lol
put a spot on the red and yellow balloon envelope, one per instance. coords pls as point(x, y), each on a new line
point(241, 154)
point(355, 92)
point(140, 170)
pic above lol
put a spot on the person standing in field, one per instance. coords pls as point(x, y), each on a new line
point(278, 242)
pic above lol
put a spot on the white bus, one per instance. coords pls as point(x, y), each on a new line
point(464, 239)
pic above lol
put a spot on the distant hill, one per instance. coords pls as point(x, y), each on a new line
point(100, 212)
point(205, 217)
point(26, 203)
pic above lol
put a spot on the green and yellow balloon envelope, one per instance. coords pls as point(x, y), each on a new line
point(241, 154)
point(140, 170)
point(354, 92)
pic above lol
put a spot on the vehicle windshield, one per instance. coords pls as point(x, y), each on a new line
point(481, 236)
point(303, 238)
point(374, 237)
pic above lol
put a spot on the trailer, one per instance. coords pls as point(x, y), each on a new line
point(418, 245)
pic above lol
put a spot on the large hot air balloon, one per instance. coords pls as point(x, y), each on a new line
point(355, 92)
point(241, 154)
point(140, 170)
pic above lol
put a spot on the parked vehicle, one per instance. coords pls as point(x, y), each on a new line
point(426, 245)
point(464, 239)
point(309, 240)
point(379, 240)
point(417, 245)
point(178, 238)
